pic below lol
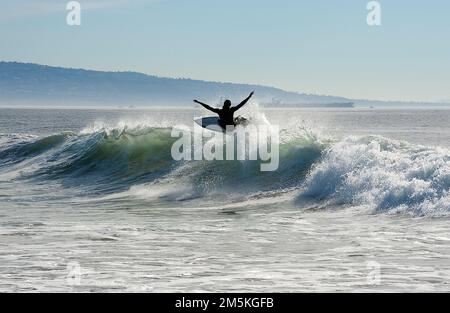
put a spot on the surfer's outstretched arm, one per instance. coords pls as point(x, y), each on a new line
point(240, 105)
point(207, 106)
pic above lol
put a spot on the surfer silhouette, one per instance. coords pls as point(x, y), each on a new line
point(226, 113)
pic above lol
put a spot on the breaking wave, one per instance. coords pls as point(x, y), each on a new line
point(382, 174)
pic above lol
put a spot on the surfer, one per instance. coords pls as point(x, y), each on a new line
point(226, 113)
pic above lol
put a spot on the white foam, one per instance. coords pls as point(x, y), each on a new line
point(388, 175)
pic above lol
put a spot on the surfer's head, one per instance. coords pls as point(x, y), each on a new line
point(227, 104)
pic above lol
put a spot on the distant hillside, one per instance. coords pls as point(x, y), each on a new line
point(29, 84)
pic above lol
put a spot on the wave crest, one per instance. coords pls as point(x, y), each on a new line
point(386, 175)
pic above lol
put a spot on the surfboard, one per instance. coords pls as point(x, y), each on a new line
point(212, 123)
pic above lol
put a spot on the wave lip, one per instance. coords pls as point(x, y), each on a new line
point(100, 161)
point(15, 153)
point(386, 175)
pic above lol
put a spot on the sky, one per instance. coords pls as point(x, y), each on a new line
point(321, 47)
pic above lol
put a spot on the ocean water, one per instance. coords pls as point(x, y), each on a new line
point(91, 200)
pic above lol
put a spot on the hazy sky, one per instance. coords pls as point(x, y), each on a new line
point(316, 46)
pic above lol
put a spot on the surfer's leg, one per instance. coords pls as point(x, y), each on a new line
point(222, 124)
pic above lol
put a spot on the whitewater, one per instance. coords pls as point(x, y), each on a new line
point(360, 202)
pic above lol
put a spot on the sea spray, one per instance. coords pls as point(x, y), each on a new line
point(386, 175)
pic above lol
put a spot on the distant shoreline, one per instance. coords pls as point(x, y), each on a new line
point(24, 83)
